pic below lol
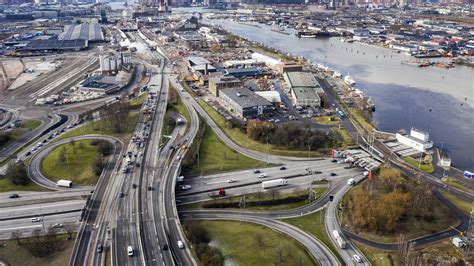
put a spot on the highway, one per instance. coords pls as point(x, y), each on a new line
point(331, 223)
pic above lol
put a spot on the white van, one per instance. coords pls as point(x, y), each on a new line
point(130, 251)
point(180, 244)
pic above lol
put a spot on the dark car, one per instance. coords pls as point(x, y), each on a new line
point(28, 153)
point(165, 247)
point(333, 174)
point(256, 171)
point(282, 168)
point(331, 197)
point(14, 196)
point(134, 185)
point(150, 188)
point(334, 161)
point(120, 194)
point(317, 172)
point(100, 248)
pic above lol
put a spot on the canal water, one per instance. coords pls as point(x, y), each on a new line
point(439, 101)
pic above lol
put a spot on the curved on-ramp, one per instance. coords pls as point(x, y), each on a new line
point(313, 246)
point(34, 166)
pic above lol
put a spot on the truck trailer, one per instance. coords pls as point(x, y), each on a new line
point(217, 194)
point(64, 183)
point(274, 183)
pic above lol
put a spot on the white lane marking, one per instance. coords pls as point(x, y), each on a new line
point(21, 227)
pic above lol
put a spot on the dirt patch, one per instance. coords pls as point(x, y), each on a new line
point(34, 68)
point(33, 113)
point(13, 68)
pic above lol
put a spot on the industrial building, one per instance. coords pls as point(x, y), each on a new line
point(110, 64)
point(268, 60)
point(288, 67)
point(245, 103)
point(200, 64)
point(221, 82)
point(105, 84)
point(305, 89)
point(418, 140)
point(244, 72)
point(90, 32)
point(243, 63)
point(54, 45)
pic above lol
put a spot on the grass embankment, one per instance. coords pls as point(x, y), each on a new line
point(239, 245)
point(314, 224)
point(346, 139)
point(215, 156)
point(16, 133)
point(14, 254)
point(78, 164)
point(176, 104)
point(463, 205)
point(378, 257)
point(6, 186)
point(100, 127)
point(453, 182)
point(243, 140)
point(262, 201)
point(326, 120)
point(136, 103)
point(427, 168)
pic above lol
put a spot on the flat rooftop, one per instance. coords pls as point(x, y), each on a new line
point(302, 79)
point(244, 97)
point(90, 32)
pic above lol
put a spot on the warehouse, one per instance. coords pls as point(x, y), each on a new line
point(90, 32)
point(221, 82)
point(55, 45)
point(244, 72)
point(305, 89)
point(245, 103)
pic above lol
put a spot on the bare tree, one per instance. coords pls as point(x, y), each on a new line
point(70, 228)
point(274, 193)
point(259, 241)
point(72, 142)
point(62, 156)
point(81, 145)
point(36, 233)
point(16, 235)
point(279, 257)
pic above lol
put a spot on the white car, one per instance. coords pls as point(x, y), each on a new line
point(186, 187)
point(357, 258)
point(57, 225)
point(230, 181)
point(36, 219)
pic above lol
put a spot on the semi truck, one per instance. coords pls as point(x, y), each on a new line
point(217, 194)
point(340, 241)
point(64, 183)
point(274, 183)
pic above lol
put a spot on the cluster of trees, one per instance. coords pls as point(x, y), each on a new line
point(116, 117)
point(292, 136)
point(4, 137)
point(380, 205)
point(38, 245)
point(105, 148)
point(17, 174)
point(199, 236)
point(192, 156)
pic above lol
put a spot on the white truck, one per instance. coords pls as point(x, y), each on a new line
point(340, 241)
point(351, 181)
point(64, 183)
point(180, 179)
point(262, 175)
point(274, 183)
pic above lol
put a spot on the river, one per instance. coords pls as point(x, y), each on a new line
point(439, 101)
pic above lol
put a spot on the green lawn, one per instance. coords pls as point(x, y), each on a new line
point(136, 103)
point(243, 140)
point(31, 124)
point(13, 254)
point(253, 199)
point(79, 164)
point(427, 168)
point(165, 129)
point(327, 120)
point(453, 182)
point(378, 257)
point(215, 156)
point(314, 224)
point(6, 186)
point(237, 241)
point(179, 107)
point(99, 127)
point(463, 205)
point(346, 138)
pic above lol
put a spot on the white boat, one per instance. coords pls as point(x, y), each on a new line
point(336, 74)
point(349, 80)
point(321, 66)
